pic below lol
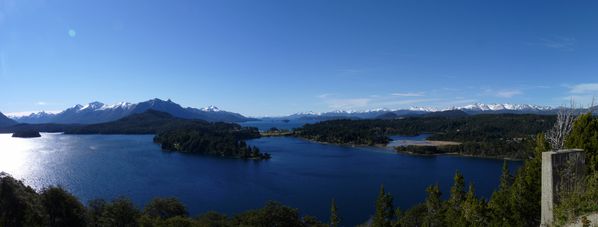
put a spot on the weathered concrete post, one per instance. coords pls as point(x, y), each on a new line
point(562, 171)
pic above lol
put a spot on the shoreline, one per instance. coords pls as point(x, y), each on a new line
point(436, 142)
point(459, 155)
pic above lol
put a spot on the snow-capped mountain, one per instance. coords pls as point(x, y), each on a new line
point(481, 107)
point(97, 112)
point(424, 109)
point(503, 107)
point(310, 115)
point(210, 109)
point(475, 108)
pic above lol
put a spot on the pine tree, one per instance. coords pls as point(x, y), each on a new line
point(473, 209)
point(525, 192)
point(384, 210)
point(541, 144)
point(454, 216)
point(499, 206)
point(334, 218)
point(398, 216)
point(434, 215)
point(584, 135)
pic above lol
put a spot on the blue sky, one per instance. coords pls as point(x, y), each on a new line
point(280, 57)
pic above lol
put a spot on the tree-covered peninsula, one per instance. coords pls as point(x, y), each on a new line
point(183, 135)
point(26, 134)
point(487, 135)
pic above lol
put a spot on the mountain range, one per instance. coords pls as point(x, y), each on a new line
point(477, 108)
point(97, 112)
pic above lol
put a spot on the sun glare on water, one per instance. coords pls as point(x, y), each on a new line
point(14, 153)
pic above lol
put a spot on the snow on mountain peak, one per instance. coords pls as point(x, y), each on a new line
point(498, 107)
point(210, 109)
point(121, 105)
point(341, 112)
point(43, 113)
point(92, 106)
point(423, 108)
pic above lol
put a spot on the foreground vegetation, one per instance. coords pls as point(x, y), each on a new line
point(584, 199)
point(487, 135)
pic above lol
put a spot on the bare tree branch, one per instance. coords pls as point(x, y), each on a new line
point(562, 127)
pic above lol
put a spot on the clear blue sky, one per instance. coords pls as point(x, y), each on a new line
point(279, 57)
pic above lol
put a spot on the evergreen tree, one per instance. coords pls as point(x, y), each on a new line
point(499, 206)
point(334, 218)
point(541, 144)
point(584, 135)
point(398, 217)
point(473, 209)
point(525, 193)
point(435, 212)
point(454, 216)
point(384, 209)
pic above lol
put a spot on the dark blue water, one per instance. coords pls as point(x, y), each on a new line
point(267, 124)
point(300, 174)
point(408, 140)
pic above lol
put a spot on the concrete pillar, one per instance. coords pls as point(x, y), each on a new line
point(562, 171)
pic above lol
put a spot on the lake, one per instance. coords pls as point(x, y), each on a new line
point(301, 174)
point(266, 124)
point(408, 140)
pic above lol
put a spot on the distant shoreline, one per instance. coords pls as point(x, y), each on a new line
point(459, 155)
point(431, 143)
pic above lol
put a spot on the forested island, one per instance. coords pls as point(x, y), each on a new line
point(183, 135)
point(219, 139)
point(486, 135)
point(26, 134)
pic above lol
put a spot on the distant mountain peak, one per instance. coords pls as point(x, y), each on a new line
point(487, 107)
point(92, 106)
point(417, 110)
point(159, 100)
point(503, 107)
point(210, 109)
point(342, 112)
point(423, 109)
point(121, 105)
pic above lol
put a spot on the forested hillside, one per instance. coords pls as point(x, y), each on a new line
point(495, 135)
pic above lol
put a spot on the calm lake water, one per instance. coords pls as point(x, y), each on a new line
point(266, 124)
point(408, 140)
point(300, 174)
